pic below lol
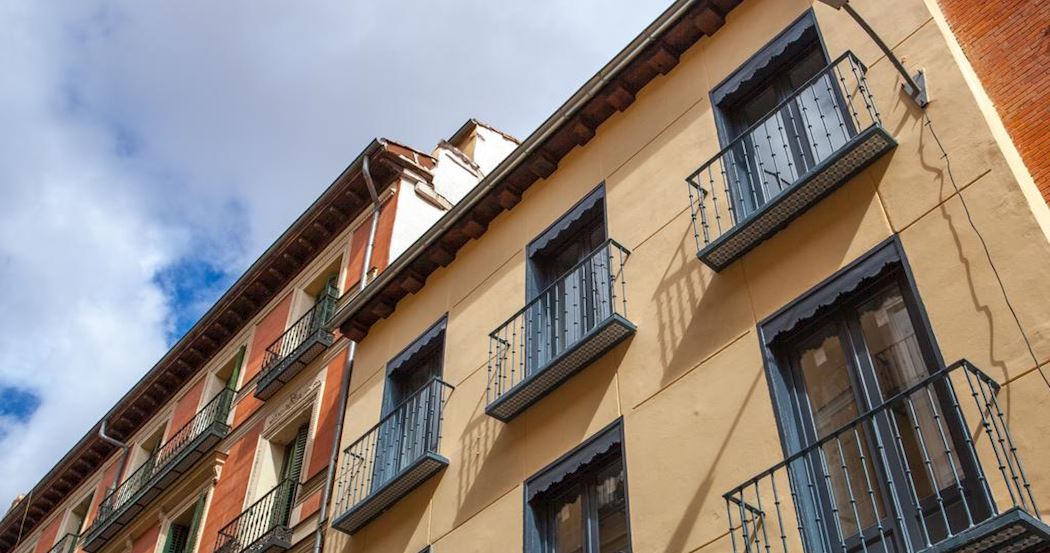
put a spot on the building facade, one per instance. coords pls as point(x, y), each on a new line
point(226, 444)
point(741, 292)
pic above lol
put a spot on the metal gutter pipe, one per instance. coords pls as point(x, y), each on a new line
point(344, 385)
point(533, 142)
point(123, 458)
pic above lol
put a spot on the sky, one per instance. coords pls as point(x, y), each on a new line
point(150, 151)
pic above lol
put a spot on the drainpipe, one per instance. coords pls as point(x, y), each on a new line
point(123, 458)
point(322, 520)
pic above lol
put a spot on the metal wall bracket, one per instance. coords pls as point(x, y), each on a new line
point(922, 95)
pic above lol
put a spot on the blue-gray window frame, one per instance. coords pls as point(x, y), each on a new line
point(564, 223)
point(884, 263)
point(761, 58)
point(408, 357)
point(568, 468)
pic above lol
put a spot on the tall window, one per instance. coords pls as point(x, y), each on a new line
point(579, 505)
point(411, 405)
point(78, 515)
point(568, 281)
point(184, 529)
point(860, 344)
point(777, 117)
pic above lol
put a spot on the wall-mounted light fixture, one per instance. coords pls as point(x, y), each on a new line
point(914, 86)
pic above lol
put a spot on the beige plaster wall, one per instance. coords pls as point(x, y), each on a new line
point(690, 384)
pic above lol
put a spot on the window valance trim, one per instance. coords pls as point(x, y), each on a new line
point(800, 34)
point(575, 461)
point(870, 267)
point(435, 332)
point(587, 205)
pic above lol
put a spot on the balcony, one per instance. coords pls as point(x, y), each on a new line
point(814, 141)
point(176, 456)
point(296, 348)
point(392, 459)
point(263, 526)
point(569, 325)
point(68, 544)
point(928, 470)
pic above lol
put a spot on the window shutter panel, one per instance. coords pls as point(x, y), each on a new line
point(176, 542)
point(236, 374)
point(198, 512)
point(295, 462)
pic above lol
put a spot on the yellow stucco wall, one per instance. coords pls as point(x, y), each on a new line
point(690, 384)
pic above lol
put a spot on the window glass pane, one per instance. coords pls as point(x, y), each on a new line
point(567, 523)
point(822, 362)
point(611, 506)
point(898, 361)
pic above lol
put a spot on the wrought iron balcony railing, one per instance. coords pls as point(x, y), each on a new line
point(811, 143)
point(927, 470)
point(174, 457)
point(567, 326)
point(393, 458)
point(297, 347)
point(68, 544)
point(262, 527)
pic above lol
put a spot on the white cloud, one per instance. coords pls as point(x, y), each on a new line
point(140, 135)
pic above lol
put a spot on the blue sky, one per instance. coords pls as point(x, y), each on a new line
point(153, 149)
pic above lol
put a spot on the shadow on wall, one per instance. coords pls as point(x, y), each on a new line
point(942, 175)
point(692, 513)
point(487, 443)
point(699, 311)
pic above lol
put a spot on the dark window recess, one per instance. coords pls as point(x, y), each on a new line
point(579, 505)
point(569, 292)
point(840, 354)
point(402, 438)
point(793, 126)
point(791, 137)
point(415, 366)
point(575, 310)
point(178, 536)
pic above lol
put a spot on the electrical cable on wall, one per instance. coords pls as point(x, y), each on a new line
point(22, 524)
point(984, 245)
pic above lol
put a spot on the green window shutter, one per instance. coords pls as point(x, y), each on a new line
point(177, 538)
point(296, 451)
point(198, 513)
point(232, 382)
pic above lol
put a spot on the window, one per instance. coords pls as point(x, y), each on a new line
point(281, 466)
point(184, 529)
point(411, 405)
point(568, 282)
point(320, 295)
point(579, 504)
point(145, 453)
point(229, 375)
point(289, 451)
point(839, 353)
point(78, 515)
point(776, 116)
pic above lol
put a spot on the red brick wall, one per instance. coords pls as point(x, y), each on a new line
point(227, 500)
point(48, 535)
point(108, 475)
point(147, 542)
point(326, 419)
point(310, 505)
point(186, 408)
point(359, 242)
point(268, 330)
point(1008, 44)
